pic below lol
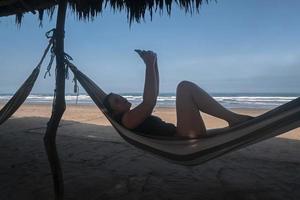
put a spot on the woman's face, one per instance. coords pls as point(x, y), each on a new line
point(119, 104)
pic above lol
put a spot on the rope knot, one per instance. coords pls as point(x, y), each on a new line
point(50, 34)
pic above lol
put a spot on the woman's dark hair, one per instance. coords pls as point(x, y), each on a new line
point(115, 116)
point(107, 104)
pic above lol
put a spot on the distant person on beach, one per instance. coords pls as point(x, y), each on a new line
point(190, 99)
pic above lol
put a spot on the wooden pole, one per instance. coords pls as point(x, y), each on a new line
point(59, 104)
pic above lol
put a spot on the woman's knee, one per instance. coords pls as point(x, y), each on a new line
point(184, 86)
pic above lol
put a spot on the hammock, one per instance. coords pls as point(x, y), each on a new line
point(22, 93)
point(199, 150)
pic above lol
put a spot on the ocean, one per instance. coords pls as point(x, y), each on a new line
point(228, 100)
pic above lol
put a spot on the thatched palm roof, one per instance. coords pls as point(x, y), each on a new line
point(87, 9)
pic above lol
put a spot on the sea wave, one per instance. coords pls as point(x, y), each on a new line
point(169, 100)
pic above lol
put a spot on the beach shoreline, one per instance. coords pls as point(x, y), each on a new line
point(82, 112)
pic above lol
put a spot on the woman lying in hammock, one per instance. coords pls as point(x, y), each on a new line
point(190, 99)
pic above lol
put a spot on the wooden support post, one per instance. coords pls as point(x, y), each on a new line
point(59, 104)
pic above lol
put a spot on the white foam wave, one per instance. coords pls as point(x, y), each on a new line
point(170, 100)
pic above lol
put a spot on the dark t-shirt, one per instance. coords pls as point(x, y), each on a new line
point(153, 125)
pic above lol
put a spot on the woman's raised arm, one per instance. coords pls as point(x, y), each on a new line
point(138, 114)
point(150, 87)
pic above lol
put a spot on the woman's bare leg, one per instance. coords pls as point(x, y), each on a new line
point(189, 121)
point(190, 99)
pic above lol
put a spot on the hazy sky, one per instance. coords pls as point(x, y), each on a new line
point(230, 46)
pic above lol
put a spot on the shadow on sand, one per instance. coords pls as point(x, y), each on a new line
point(98, 164)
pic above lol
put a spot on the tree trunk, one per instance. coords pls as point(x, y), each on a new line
point(59, 104)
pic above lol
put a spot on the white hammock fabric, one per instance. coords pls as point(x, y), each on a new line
point(22, 93)
point(218, 141)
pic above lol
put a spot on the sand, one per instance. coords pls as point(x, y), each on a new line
point(99, 164)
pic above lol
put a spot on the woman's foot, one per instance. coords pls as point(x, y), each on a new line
point(239, 119)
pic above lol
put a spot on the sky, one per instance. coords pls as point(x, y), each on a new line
point(230, 46)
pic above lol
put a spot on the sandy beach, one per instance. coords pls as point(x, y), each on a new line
point(99, 164)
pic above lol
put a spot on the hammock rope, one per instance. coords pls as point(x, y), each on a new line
point(68, 59)
point(52, 56)
point(22, 93)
